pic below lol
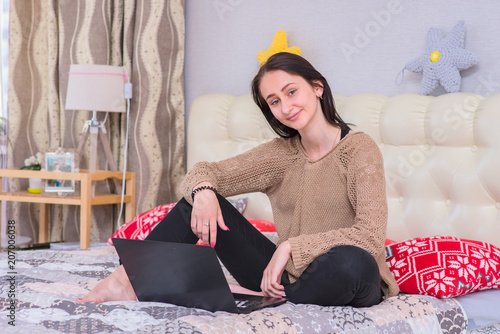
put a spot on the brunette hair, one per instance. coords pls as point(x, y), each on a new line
point(295, 65)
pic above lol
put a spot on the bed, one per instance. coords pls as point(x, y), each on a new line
point(441, 156)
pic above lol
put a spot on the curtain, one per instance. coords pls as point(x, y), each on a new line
point(145, 36)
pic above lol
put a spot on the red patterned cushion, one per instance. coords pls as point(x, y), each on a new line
point(389, 242)
point(139, 227)
point(263, 225)
point(444, 266)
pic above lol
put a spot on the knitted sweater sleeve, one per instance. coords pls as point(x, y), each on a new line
point(366, 192)
point(255, 170)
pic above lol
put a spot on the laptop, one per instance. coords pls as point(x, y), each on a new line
point(185, 275)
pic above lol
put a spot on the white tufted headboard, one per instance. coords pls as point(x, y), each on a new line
point(441, 155)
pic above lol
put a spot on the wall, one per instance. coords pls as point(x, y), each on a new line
point(359, 46)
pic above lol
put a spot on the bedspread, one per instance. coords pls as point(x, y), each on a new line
point(46, 282)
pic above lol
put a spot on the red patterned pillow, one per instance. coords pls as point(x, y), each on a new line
point(263, 225)
point(389, 242)
point(443, 266)
point(139, 227)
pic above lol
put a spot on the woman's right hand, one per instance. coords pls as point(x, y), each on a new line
point(206, 215)
point(271, 278)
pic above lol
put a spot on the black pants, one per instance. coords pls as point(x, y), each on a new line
point(346, 275)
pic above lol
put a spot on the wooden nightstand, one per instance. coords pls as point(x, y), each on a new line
point(84, 200)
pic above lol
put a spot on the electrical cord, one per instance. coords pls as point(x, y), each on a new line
point(105, 119)
point(128, 95)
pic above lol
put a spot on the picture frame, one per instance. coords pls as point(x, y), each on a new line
point(63, 161)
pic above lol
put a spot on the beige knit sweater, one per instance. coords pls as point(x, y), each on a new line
point(338, 199)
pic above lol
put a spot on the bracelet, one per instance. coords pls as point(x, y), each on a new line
point(202, 188)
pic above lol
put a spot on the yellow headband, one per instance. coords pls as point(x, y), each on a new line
point(280, 44)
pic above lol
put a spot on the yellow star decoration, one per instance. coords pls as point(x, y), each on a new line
point(280, 44)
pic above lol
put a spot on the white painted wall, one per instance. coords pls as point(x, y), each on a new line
point(223, 38)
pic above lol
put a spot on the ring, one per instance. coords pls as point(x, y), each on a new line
point(207, 224)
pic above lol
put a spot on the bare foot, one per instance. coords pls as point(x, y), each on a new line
point(239, 289)
point(115, 287)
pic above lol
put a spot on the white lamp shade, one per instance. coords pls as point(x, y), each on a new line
point(96, 88)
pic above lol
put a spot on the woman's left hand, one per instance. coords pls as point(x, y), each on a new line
point(271, 279)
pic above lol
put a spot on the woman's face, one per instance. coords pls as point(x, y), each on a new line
point(292, 100)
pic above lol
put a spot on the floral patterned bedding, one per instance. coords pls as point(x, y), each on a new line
point(38, 290)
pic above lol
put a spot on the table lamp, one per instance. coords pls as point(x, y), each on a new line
point(97, 88)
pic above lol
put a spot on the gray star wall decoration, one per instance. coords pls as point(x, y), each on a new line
point(444, 59)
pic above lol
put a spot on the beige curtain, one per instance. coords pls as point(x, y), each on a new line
point(145, 36)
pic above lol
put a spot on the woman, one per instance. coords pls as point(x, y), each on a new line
point(327, 190)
